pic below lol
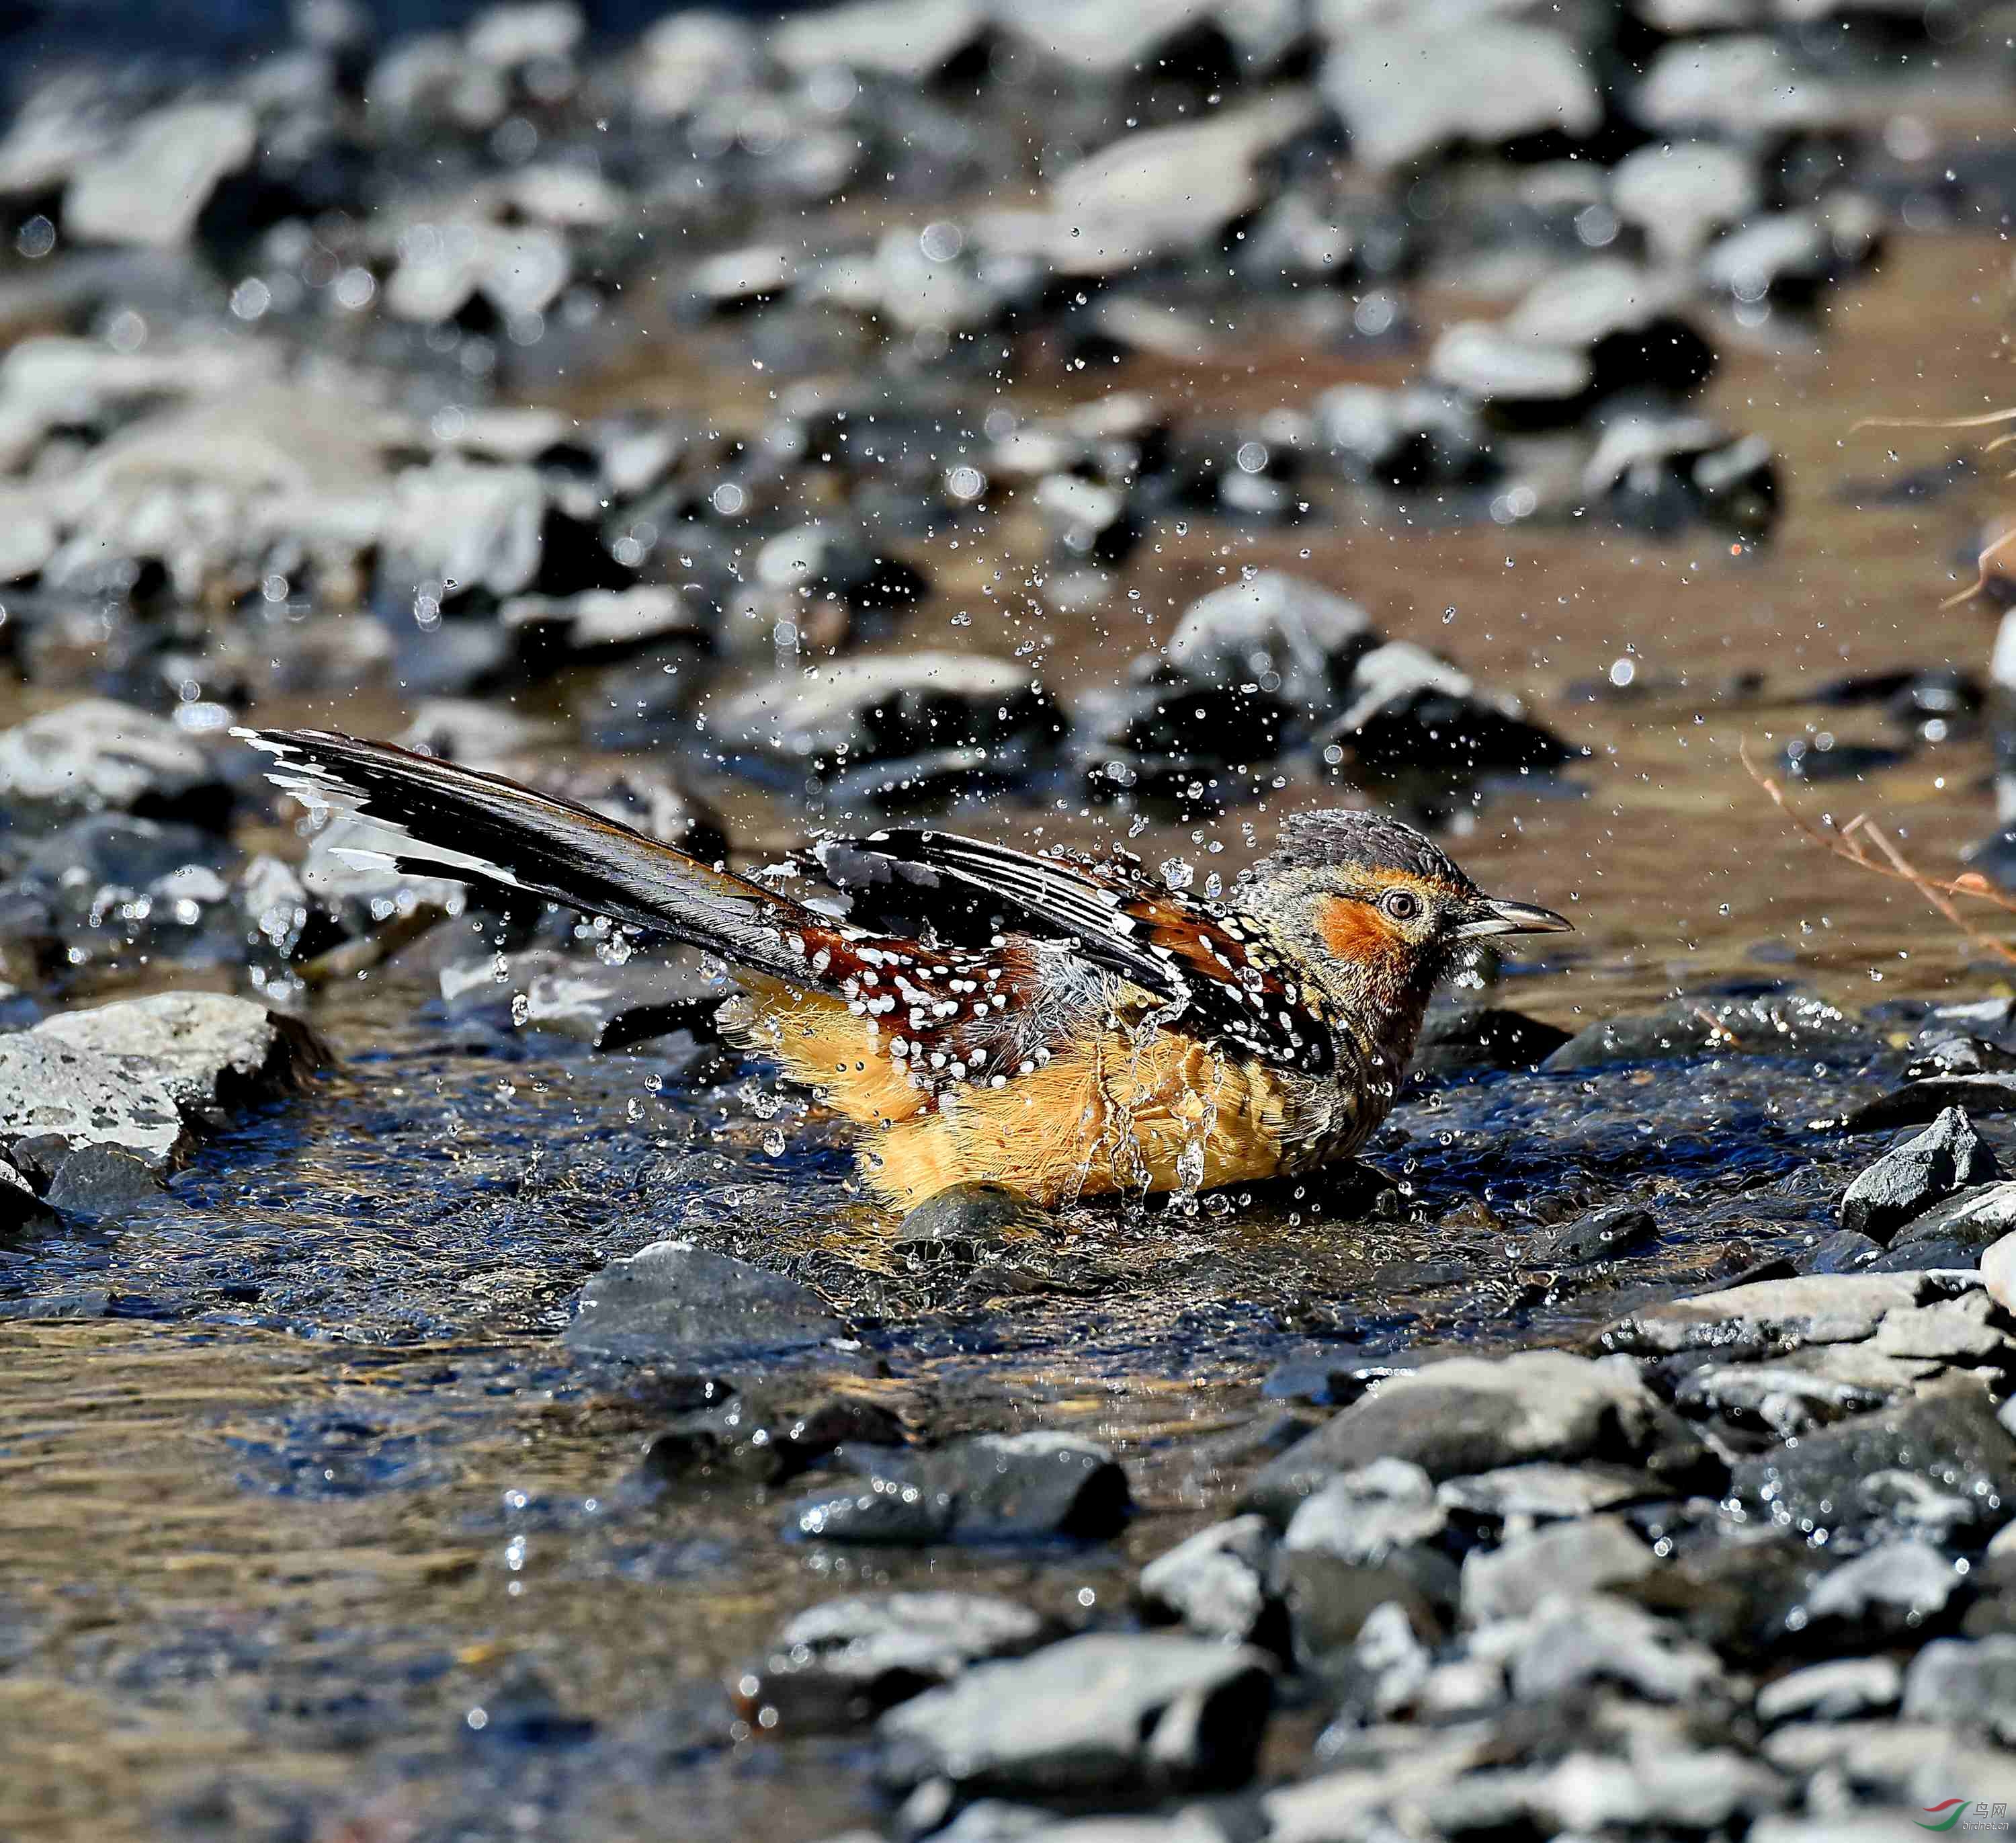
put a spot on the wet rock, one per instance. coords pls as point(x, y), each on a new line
point(1364, 1515)
point(828, 559)
point(995, 1488)
point(1827, 757)
point(1468, 1415)
point(842, 1663)
point(605, 623)
point(1898, 1587)
point(1289, 635)
point(94, 755)
point(1603, 1235)
point(1215, 1582)
point(1573, 1639)
point(97, 1180)
point(1772, 1024)
point(1934, 1254)
point(1104, 1713)
point(1939, 1464)
point(887, 709)
point(1535, 382)
point(20, 1206)
point(1166, 190)
point(1484, 1037)
point(1909, 1179)
point(1998, 1272)
point(765, 1437)
point(1988, 1093)
point(1404, 439)
point(1510, 1581)
point(1809, 1389)
point(1835, 1692)
point(1658, 474)
point(471, 526)
point(151, 187)
point(1544, 1491)
point(1411, 715)
point(1966, 1685)
point(1771, 1317)
point(671, 1303)
point(1789, 256)
point(211, 1053)
point(1749, 85)
point(1977, 1218)
point(52, 1095)
point(1490, 83)
point(1971, 1328)
point(1681, 193)
point(964, 1220)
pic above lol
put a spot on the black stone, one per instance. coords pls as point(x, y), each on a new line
point(673, 1304)
point(1603, 1235)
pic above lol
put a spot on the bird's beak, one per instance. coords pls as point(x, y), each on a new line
point(1491, 916)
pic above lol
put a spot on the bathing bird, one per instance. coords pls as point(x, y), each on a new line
point(1064, 1023)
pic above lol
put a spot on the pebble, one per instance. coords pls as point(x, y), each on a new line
point(1776, 1024)
point(1511, 1581)
point(673, 1304)
point(1909, 1179)
point(993, 1487)
point(1215, 1582)
point(1106, 1712)
point(1603, 1235)
point(94, 754)
point(1466, 1415)
point(841, 1663)
point(1770, 1316)
point(1965, 1684)
point(1839, 1691)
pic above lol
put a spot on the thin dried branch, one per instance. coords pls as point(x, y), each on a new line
point(1933, 422)
point(1848, 842)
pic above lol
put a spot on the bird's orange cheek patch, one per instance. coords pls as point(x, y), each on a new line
point(1353, 931)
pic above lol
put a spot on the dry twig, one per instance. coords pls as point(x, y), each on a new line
point(1848, 842)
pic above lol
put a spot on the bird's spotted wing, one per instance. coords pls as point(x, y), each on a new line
point(1205, 959)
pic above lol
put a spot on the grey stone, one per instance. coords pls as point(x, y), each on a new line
point(211, 1052)
point(673, 1302)
point(1833, 1692)
point(1896, 1586)
point(1750, 86)
point(1103, 1713)
point(1603, 1235)
point(1774, 1024)
point(1966, 1684)
point(1840, 1253)
point(1808, 1388)
point(94, 755)
point(1484, 361)
point(1404, 91)
point(1392, 1665)
point(884, 708)
point(1574, 1639)
point(1909, 1179)
point(1998, 1272)
point(150, 187)
point(1544, 1490)
point(51, 1092)
point(1511, 1581)
point(1772, 1317)
point(960, 1222)
point(1978, 1217)
point(1215, 1582)
point(914, 39)
point(1164, 190)
point(98, 1181)
point(1273, 625)
point(473, 526)
point(1363, 1516)
point(844, 1661)
point(607, 621)
point(1681, 193)
point(1969, 1329)
point(1468, 1415)
point(994, 1487)
point(1939, 1461)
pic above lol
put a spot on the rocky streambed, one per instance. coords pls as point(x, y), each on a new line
point(446, 1395)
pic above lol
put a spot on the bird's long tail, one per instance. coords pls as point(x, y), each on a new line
point(432, 817)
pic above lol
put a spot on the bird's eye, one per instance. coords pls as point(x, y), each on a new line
point(1403, 905)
